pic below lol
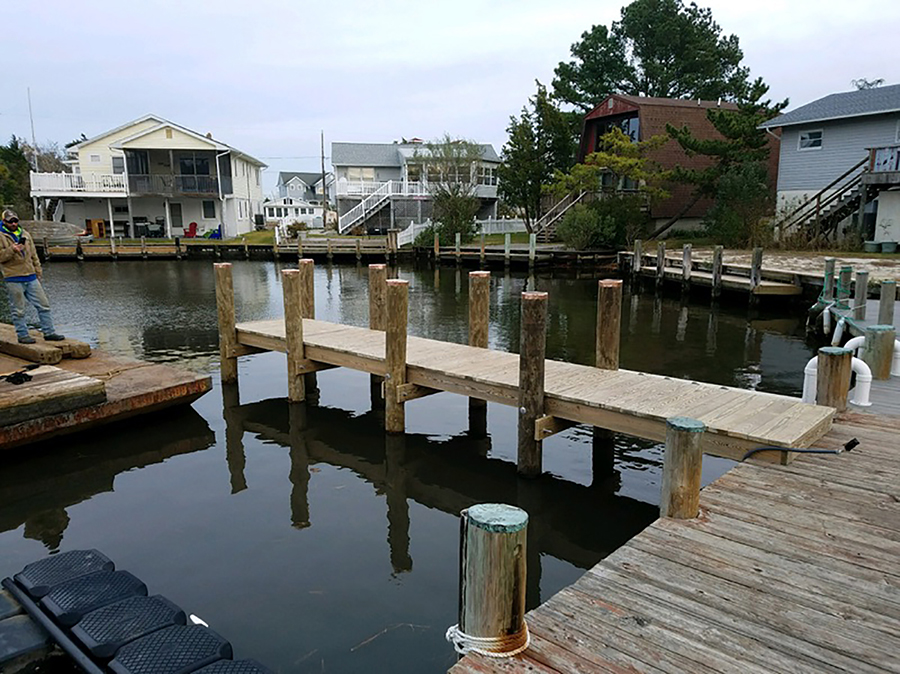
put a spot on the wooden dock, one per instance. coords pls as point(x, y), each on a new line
point(787, 569)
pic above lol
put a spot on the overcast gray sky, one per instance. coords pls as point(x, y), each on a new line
point(267, 76)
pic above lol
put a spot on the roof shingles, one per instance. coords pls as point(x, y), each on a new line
point(879, 100)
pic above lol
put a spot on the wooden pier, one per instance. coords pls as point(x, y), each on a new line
point(556, 396)
point(786, 569)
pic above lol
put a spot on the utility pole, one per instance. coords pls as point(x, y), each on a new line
point(34, 160)
point(324, 185)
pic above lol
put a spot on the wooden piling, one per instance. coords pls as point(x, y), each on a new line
point(878, 353)
point(861, 295)
point(481, 255)
point(144, 247)
point(178, 250)
point(532, 249)
point(828, 288)
point(46, 248)
point(492, 575)
point(686, 267)
point(293, 332)
point(329, 252)
point(437, 246)
point(833, 377)
point(682, 468)
point(457, 245)
point(506, 246)
point(843, 290)
point(308, 288)
point(532, 347)
point(358, 250)
point(717, 272)
point(225, 311)
point(397, 302)
point(886, 302)
point(609, 320)
point(112, 246)
point(377, 321)
point(299, 248)
point(638, 258)
point(660, 263)
point(479, 318)
point(756, 269)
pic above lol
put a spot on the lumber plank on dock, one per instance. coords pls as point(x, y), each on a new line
point(41, 351)
point(787, 569)
point(620, 400)
point(50, 391)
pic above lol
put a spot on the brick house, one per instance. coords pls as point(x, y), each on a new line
point(641, 118)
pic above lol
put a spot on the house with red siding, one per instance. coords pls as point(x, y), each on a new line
point(641, 118)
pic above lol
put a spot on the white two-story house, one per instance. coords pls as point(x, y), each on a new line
point(152, 177)
point(385, 185)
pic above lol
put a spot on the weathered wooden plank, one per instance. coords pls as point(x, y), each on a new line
point(50, 391)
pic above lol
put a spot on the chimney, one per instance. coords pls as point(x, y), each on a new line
point(719, 103)
point(209, 134)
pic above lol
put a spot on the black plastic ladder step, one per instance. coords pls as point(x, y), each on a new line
point(104, 631)
point(69, 602)
point(38, 578)
point(234, 667)
point(173, 650)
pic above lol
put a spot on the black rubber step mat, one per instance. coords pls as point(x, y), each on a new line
point(173, 650)
point(104, 631)
point(38, 578)
point(234, 667)
point(69, 602)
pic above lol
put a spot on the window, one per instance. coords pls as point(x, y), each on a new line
point(810, 140)
point(361, 173)
point(118, 165)
point(193, 164)
point(258, 179)
point(168, 133)
point(95, 158)
point(487, 175)
point(209, 209)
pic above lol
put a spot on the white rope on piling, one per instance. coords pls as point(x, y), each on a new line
point(491, 647)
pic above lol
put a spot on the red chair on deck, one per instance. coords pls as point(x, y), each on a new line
point(191, 232)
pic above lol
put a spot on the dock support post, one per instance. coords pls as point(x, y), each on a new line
point(886, 301)
point(329, 252)
point(456, 246)
point(308, 310)
point(299, 248)
point(377, 321)
point(227, 333)
point(293, 332)
point(359, 250)
point(397, 302)
point(506, 246)
point(144, 247)
point(492, 576)
point(828, 287)
point(606, 357)
point(878, 353)
point(479, 321)
point(112, 247)
point(843, 292)
point(861, 295)
point(532, 347)
point(660, 263)
point(437, 247)
point(717, 272)
point(755, 275)
point(682, 468)
point(532, 250)
point(833, 377)
point(481, 256)
point(686, 267)
point(638, 258)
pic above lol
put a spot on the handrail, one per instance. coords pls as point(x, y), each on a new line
point(348, 219)
point(558, 210)
point(790, 219)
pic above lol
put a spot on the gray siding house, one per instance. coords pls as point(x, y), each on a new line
point(385, 185)
point(828, 151)
point(304, 186)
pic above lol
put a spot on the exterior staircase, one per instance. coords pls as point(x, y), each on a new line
point(545, 228)
point(366, 208)
point(821, 214)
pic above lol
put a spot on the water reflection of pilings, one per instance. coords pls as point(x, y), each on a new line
point(450, 475)
point(234, 437)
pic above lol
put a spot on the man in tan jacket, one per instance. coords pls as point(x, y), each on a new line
point(22, 272)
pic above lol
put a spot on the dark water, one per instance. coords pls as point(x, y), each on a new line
point(300, 532)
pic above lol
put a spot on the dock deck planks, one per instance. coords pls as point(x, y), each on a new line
point(620, 400)
point(788, 569)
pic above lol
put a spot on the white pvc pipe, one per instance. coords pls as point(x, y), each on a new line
point(857, 343)
point(861, 391)
point(838, 333)
point(863, 384)
point(826, 321)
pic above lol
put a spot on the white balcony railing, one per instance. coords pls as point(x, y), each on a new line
point(361, 188)
point(64, 183)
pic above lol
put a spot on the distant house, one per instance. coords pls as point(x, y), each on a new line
point(840, 153)
point(641, 118)
point(153, 177)
point(305, 186)
point(382, 185)
point(288, 210)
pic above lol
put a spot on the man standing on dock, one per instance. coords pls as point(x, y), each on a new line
point(22, 272)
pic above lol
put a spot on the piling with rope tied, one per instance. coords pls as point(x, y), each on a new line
point(492, 582)
point(878, 353)
point(886, 301)
point(861, 295)
point(843, 287)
